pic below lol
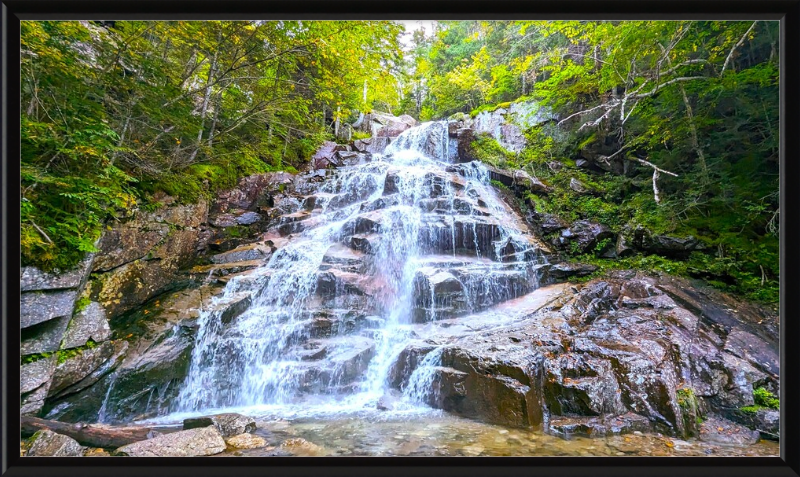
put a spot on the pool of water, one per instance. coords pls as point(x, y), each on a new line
point(421, 432)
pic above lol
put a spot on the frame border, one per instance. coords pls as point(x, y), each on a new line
point(787, 11)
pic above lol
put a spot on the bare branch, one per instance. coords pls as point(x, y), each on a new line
point(737, 45)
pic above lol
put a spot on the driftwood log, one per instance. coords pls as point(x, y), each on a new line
point(94, 435)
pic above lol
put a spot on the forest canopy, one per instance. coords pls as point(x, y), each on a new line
point(114, 113)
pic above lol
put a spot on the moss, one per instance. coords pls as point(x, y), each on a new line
point(763, 397)
point(65, 354)
point(81, 304)
point(488, 150)
point(34, 357)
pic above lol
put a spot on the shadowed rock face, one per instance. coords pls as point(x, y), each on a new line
point(609, 348)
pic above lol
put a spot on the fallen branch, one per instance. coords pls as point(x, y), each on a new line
point(96, 435)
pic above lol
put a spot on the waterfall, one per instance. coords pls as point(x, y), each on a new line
point(378, 250)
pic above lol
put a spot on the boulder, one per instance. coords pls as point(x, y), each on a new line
point(624, 345)
point(670, 246)
point(89, 324)
point(33, 279)
point(550, 223)
point(49, 444)
point(128, 286)
point(323, 158)
point(34, 384)
point(373, 145)
point(44, 337)
point(80, 366)
point(582, 236)
point(228, 424)
point(246, 441)
point(189, 443)
point(39, 306)
point(562, 271)
point(301, 447)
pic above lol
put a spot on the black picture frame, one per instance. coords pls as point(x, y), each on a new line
point(787, 11)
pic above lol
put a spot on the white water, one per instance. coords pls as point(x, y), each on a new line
point(431, 221)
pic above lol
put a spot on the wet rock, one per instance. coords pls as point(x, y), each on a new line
point(146, 383)
point(718, 430)
point(38, 307)
point(246, 441)
point(49, 444)
point(224, 269)
point(80, 366)
point(232, 307)
point(248, 218)
point(366, 243)
point(89, 324)
point(765, 421)
point(577, 384)
point(80, 398)
point(464, 139)
point(601, 426)
point(195, 442)
point(301, 447)
point(228, 424)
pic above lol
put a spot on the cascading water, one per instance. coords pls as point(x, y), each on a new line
point(379, 251)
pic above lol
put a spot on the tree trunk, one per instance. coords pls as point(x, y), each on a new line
point(701, 157)
point(96, 435)
point(206, 98)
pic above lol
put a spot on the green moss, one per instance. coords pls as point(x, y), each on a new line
point(65, 354)
point(763, 397)
point(35, 357)
point(488, 150)
point(81, 304)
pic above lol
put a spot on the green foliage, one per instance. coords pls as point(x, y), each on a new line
point(763, 397)
point(113, 112)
